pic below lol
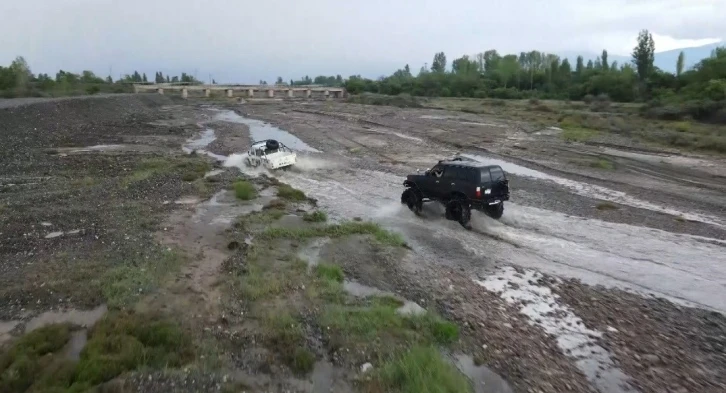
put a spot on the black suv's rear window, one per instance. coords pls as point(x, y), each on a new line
point(497, 174)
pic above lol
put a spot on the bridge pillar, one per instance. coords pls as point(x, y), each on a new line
point(308, 93)
point(185, 93)
point(136, 89)
point(327, 93)
point(250, 92)
point(290, 93)
point(229, 93)
point(270, 93)
point(160, 91)
point(207, 92)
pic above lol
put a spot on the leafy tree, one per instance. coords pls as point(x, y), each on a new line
point(644, 55)
point(679, 64)
point(439, 63)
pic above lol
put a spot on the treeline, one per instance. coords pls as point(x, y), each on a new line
point(330, 81)
point(17, 80)
point(699, 92)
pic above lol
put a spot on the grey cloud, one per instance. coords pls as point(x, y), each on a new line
point(247, 40)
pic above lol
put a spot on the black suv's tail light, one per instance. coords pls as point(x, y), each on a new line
point(478, 192)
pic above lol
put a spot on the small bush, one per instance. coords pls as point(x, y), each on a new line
point(588, 98)
point(543, 108)
point(316, 216)
point(302, 361)
point(244, 190)
point(330, 272)
point(682, 126)
point(93, 90)
point(533, 101)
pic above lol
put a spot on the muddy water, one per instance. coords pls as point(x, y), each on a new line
point(595, 191)
point(200, 142)
point(684, 268)
point(483, 379)
point(360, 290)
point(72, 350)
point(260, 130)
point(5, 328)
point(76, 317)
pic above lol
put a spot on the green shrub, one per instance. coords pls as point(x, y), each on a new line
point(316, 216)
point(244, 190)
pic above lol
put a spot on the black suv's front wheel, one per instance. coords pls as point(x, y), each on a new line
point(412, 199)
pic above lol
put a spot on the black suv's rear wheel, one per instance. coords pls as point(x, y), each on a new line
point(495, 211)
point(412, 199)
point(459, 210)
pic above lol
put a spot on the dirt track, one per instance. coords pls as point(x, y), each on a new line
point(654, 223)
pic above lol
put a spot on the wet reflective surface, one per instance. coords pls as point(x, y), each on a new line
point(260, 130)
point(483, 379)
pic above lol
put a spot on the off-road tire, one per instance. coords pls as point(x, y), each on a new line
point(495, 211)
point(458, 209)
point(412, 199)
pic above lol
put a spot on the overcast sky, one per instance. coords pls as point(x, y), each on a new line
point(249, 40)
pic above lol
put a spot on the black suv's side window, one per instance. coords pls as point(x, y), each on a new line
point(451, 172)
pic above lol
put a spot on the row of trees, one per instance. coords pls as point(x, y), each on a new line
point(544, 75)
point(17, 80)
point(332, 81)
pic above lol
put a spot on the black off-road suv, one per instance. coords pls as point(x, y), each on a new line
point(460, 184)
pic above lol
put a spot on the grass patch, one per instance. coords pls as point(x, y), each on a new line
point(606, 206)
point(244, 190)
point(682, 126)
point(123, 285)
point(329, 272)
point(338, 230)
point(364, 324)
point(288, 192)
point(578, 134)
point(191, 168)
point(286, 336)
point(259, 283)
point(602, 164)
point(420, 370)
point(258, 218)
point(386, 301)
point(119, 343)
point(316, 216)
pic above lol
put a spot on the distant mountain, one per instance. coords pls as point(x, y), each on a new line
point(666, 61)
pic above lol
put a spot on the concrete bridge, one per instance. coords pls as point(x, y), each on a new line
point(250, 91)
